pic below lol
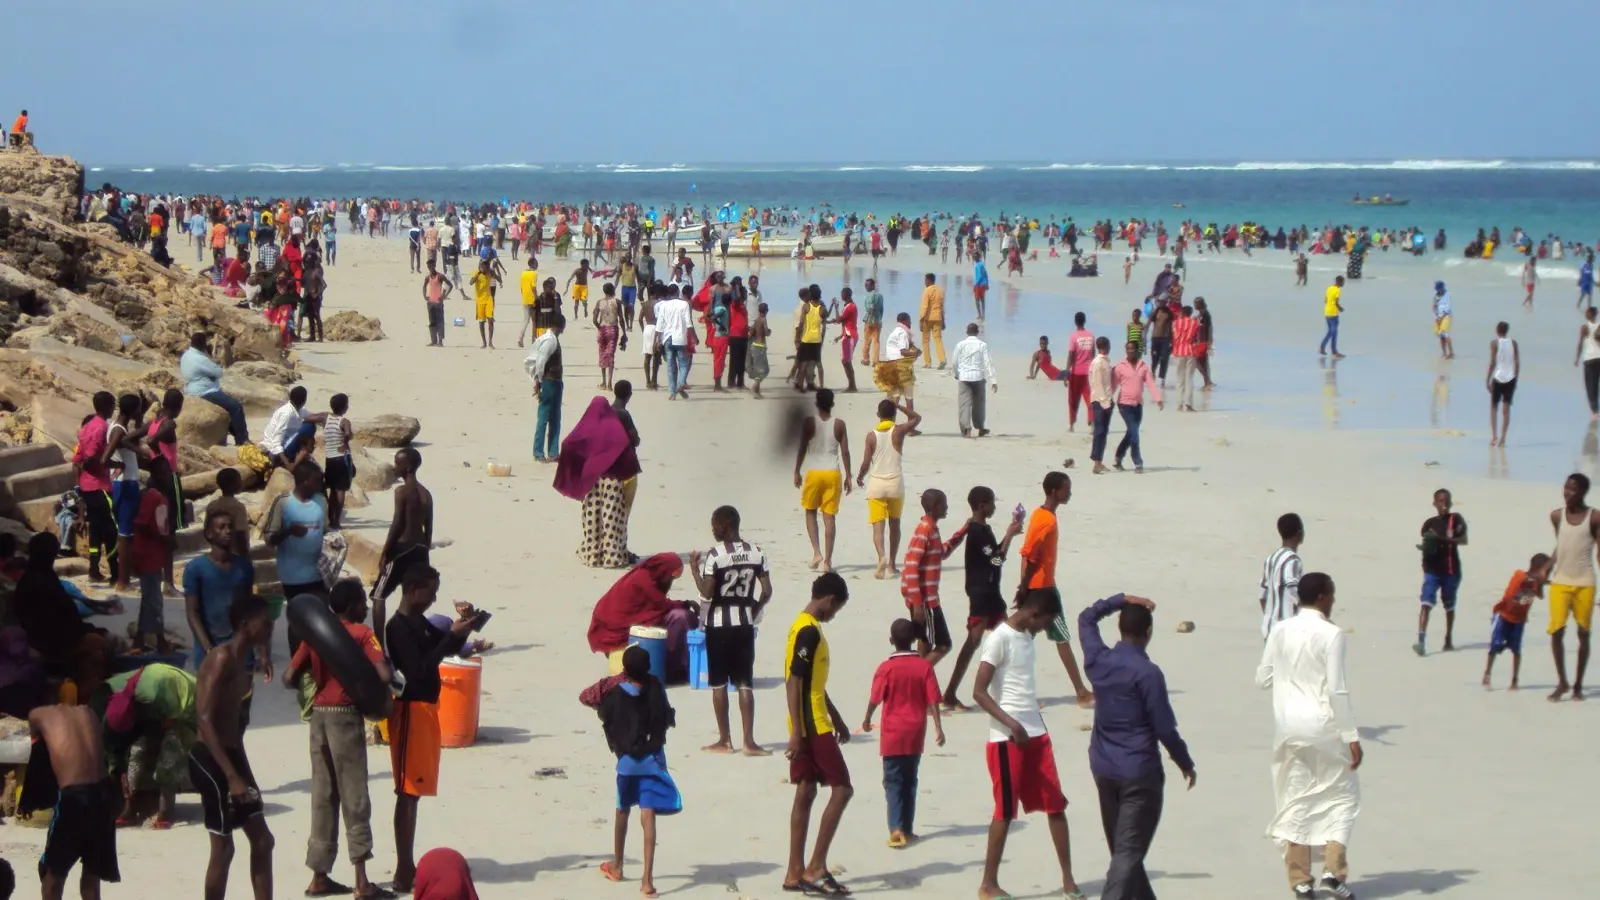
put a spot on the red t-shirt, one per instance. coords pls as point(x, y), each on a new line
point(905, 686)
point(1513, 606)
point(738, 319)
point(150, 529)
point(329, 691)
point(847, 320)
point(92, 474)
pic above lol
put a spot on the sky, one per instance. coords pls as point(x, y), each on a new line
point(459, 82)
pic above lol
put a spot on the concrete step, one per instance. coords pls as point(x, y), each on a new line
point(35, 484)
point(16, 460)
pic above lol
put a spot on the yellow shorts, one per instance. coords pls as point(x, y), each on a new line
point(886, 508)
point(1441, 326)
point(1571, 600)
point(580, 292)
point(821, 491)
point(485, 309)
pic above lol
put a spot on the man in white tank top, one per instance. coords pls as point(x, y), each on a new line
point(1572, 580)
point(1505, 364)
point(824, 448)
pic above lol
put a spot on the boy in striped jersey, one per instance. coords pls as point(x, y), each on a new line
point(727, 576)
point(1280, 575)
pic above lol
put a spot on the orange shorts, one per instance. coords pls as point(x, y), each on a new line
point(414, 748)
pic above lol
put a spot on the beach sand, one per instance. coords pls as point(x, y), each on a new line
point(1456, 795)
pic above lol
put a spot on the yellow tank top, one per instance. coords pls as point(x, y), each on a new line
point(811, 332)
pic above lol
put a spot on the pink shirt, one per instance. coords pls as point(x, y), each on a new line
point(1081, 346)
point(1128, 381)
point(92, 475)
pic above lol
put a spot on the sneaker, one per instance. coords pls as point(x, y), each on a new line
point(1305, 889)
point(1336, 887)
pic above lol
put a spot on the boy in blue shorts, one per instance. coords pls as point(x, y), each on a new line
point(1511, 614)
point(636, 715)
point(1442, 537)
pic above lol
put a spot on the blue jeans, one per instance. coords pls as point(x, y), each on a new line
point(1100, 418)
point(547, 429)
point(305, 437)
point(677, 358)
point(235, 411)
point(1440, 587)
point(900, 788)
point(1332, 336)
point(1131, 417)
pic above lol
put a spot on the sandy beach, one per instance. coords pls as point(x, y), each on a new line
point(1356, 450)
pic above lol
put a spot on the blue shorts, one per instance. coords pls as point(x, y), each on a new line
point(647, 784)
point(1505, 635)
point(629, 295)
point(125, 506)
point(1435, 587)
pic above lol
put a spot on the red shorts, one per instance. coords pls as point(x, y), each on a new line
point(1025, 775)
point(1200, 348)
point(980, 290)
point(987, 623)
point(820, 762)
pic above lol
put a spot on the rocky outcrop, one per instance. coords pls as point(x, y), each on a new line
point(352, 326)
point(54, 183)
point(387, 430)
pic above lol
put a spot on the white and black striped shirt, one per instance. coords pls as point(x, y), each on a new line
point(1280, 588)
point(735, 569)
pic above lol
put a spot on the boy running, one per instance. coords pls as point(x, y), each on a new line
point(727, 576)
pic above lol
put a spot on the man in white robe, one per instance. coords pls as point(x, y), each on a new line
point(1316, 749)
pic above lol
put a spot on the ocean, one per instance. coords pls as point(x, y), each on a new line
point(1545, 197)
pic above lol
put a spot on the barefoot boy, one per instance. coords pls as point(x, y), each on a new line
point(906, 688)
point(1022, 763)
point(919, 577)
point(1511, 614)
point(985, 560)
point(727, 576)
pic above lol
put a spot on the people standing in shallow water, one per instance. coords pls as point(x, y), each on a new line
point(1505, 364)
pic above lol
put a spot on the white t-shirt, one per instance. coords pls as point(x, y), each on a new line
point(283, 425)
point(1013, 688)
point(899, 342)
point(673, 321)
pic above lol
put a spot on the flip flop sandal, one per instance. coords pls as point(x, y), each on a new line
point(377, 893)
point(334, 889)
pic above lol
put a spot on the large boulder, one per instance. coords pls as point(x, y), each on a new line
point(280, 483)
point(258, 397)
point(373, 474)
point(352, 326)
point(265, 371)
point(53, 182)
point(387, 430)
point(202, 424)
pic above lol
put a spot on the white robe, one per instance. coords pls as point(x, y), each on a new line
point(1318, 794)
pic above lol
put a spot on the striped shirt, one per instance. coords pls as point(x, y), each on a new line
point(919, 575)
point(735, 568)
point(1280, 588)
point(334, 442)
point(1184, 332)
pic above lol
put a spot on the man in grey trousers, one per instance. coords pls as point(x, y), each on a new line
point(973, 369)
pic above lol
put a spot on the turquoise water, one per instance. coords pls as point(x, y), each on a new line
point(1544, 197)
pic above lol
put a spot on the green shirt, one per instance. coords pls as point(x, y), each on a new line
point(874, 311)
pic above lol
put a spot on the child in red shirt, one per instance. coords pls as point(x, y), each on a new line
point(151, 527)
point(906, 689)
point(1511, 614)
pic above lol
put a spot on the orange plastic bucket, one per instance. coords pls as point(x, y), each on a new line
point(461, 688)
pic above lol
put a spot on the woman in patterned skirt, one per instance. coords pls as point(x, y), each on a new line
point(597, 458)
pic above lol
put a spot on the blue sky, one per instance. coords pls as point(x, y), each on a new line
point(408, 82)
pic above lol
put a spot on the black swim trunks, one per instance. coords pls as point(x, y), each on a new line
point(222, 814)
point(731, 656)
point(405, 557)
point(84, 829)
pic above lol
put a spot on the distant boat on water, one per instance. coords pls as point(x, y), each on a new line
point(1378, 201)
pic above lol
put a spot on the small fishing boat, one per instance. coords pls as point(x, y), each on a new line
point(1378, 201)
